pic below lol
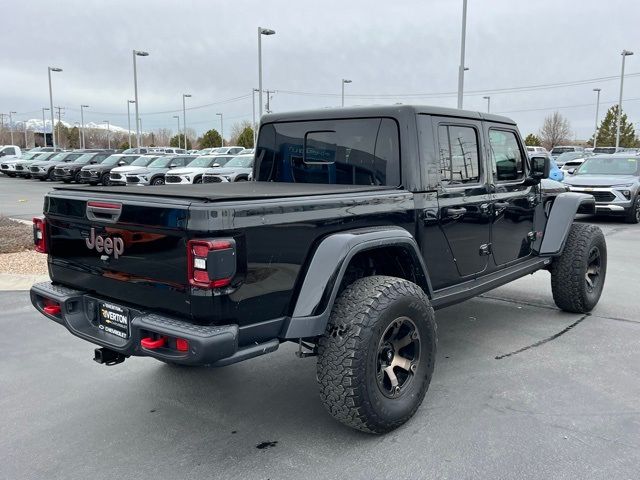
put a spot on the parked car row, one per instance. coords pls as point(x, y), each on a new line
point(139, 166)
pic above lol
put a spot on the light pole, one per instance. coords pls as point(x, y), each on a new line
point(488, 99)
point(129, 119)
point(461, 68)
point(221, 129)
point(82, 107)
point(24, 124)
point(184, 118)
point(625, 54)
point(11, 125)
point(261, 31)
point(53, 130)
point(79, 135)
point(108, 133)
point(344, 80)
point(139, 123)
point(253, 104)
point(137, 53)
point(178, 117)
point(595, 132)
point(44, 129)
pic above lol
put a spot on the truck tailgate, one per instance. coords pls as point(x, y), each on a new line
point(124, 248)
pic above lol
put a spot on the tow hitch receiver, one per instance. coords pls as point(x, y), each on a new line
point(108, 357)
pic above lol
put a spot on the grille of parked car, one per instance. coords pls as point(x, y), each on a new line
point(19, 167)
point(133, 179)
point(603, 196)
point(85, 174)
point(115, 176)
point(211, 179)
point(172, 179)
point(35, 169)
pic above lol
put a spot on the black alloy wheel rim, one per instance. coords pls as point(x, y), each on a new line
point(398, 357)
point(594, 266)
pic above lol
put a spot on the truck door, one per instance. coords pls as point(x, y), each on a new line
point(513, 203)
point(464, 214)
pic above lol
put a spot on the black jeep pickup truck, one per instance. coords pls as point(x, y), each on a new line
point(359, 224)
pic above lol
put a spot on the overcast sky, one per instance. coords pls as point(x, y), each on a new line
point(390, 50)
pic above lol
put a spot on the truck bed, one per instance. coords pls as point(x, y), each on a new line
point(231, 191)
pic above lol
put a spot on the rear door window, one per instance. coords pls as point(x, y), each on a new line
point(459, 155)
point(347, 152)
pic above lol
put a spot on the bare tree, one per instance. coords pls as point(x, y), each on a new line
point(555, 130)
point(237, 130)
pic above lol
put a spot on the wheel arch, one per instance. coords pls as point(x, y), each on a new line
point(560, 219)
point(392, 251)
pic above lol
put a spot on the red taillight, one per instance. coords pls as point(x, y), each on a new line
point(40, 234)
point(211, 263)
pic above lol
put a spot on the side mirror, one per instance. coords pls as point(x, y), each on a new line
point(2, 154)
point(215, 165)
point(571, 171)
point(540, 167)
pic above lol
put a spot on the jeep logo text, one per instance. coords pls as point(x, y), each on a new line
point(107, 245)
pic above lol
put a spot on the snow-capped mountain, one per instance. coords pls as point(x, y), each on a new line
point(35, 125)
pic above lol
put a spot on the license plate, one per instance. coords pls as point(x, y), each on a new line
point(113, 319)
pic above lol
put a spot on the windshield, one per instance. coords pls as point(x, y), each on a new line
point(84, 158)
point(242, 161)
point(112, 160)
point(29, 156)
point(559, 150)
point(160, 162)
point(59, 157)
point(142, 161)
point(604, 150)
point(609, 166)
point(565, 157)
point(208, 161)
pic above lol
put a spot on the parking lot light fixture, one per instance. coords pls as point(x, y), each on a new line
point(137, 53)
point(184, 118)
point(625, 54)
point(261, 31)
point(221, 129)
point(108, 133)
point(11, 125)
point(129, 102)
point(44, 129)
point(82, 107)
point(344, 80)
point(178, 118)
point(488, 99)
point(53, 130)
point(595, 132)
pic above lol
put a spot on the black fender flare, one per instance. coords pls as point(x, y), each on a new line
point(560, 219)
point(326, 270)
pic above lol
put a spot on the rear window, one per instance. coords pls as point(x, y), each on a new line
point(347, 152)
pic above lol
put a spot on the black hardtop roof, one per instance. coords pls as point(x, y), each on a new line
point(392, 111)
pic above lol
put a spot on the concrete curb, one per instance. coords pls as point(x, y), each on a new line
point(15, 282)
point(24, 222)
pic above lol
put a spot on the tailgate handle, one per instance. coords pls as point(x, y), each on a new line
point(104, 211)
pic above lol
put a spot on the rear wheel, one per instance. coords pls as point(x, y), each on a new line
point(376, 358)
point(633, 215)
point(577, 276)
point(157, 181)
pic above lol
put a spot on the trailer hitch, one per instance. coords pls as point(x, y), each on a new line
point(108, 357)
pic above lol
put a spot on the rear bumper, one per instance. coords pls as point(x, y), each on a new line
point(208, 345)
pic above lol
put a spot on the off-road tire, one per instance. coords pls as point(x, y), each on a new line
point(571, 291)
point(633, 215)
point(348, 353)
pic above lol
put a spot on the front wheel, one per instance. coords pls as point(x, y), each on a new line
point(158, 181)
point(633, 215)
point(198, 180)
point(376, 358)
point(105, 180)
point(577, 276)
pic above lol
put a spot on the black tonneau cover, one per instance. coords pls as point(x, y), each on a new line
point(232, 191)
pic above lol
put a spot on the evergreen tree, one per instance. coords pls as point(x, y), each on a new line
point(174, 141)
point(210, 139)
point(532, 140)
point(245, 139)
point(73, 140)
point(607, 130)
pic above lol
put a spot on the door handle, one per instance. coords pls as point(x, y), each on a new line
point(455, 212)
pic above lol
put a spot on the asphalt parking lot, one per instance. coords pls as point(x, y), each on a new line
point(521, 390)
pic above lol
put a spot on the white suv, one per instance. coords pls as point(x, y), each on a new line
point(193, 172)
